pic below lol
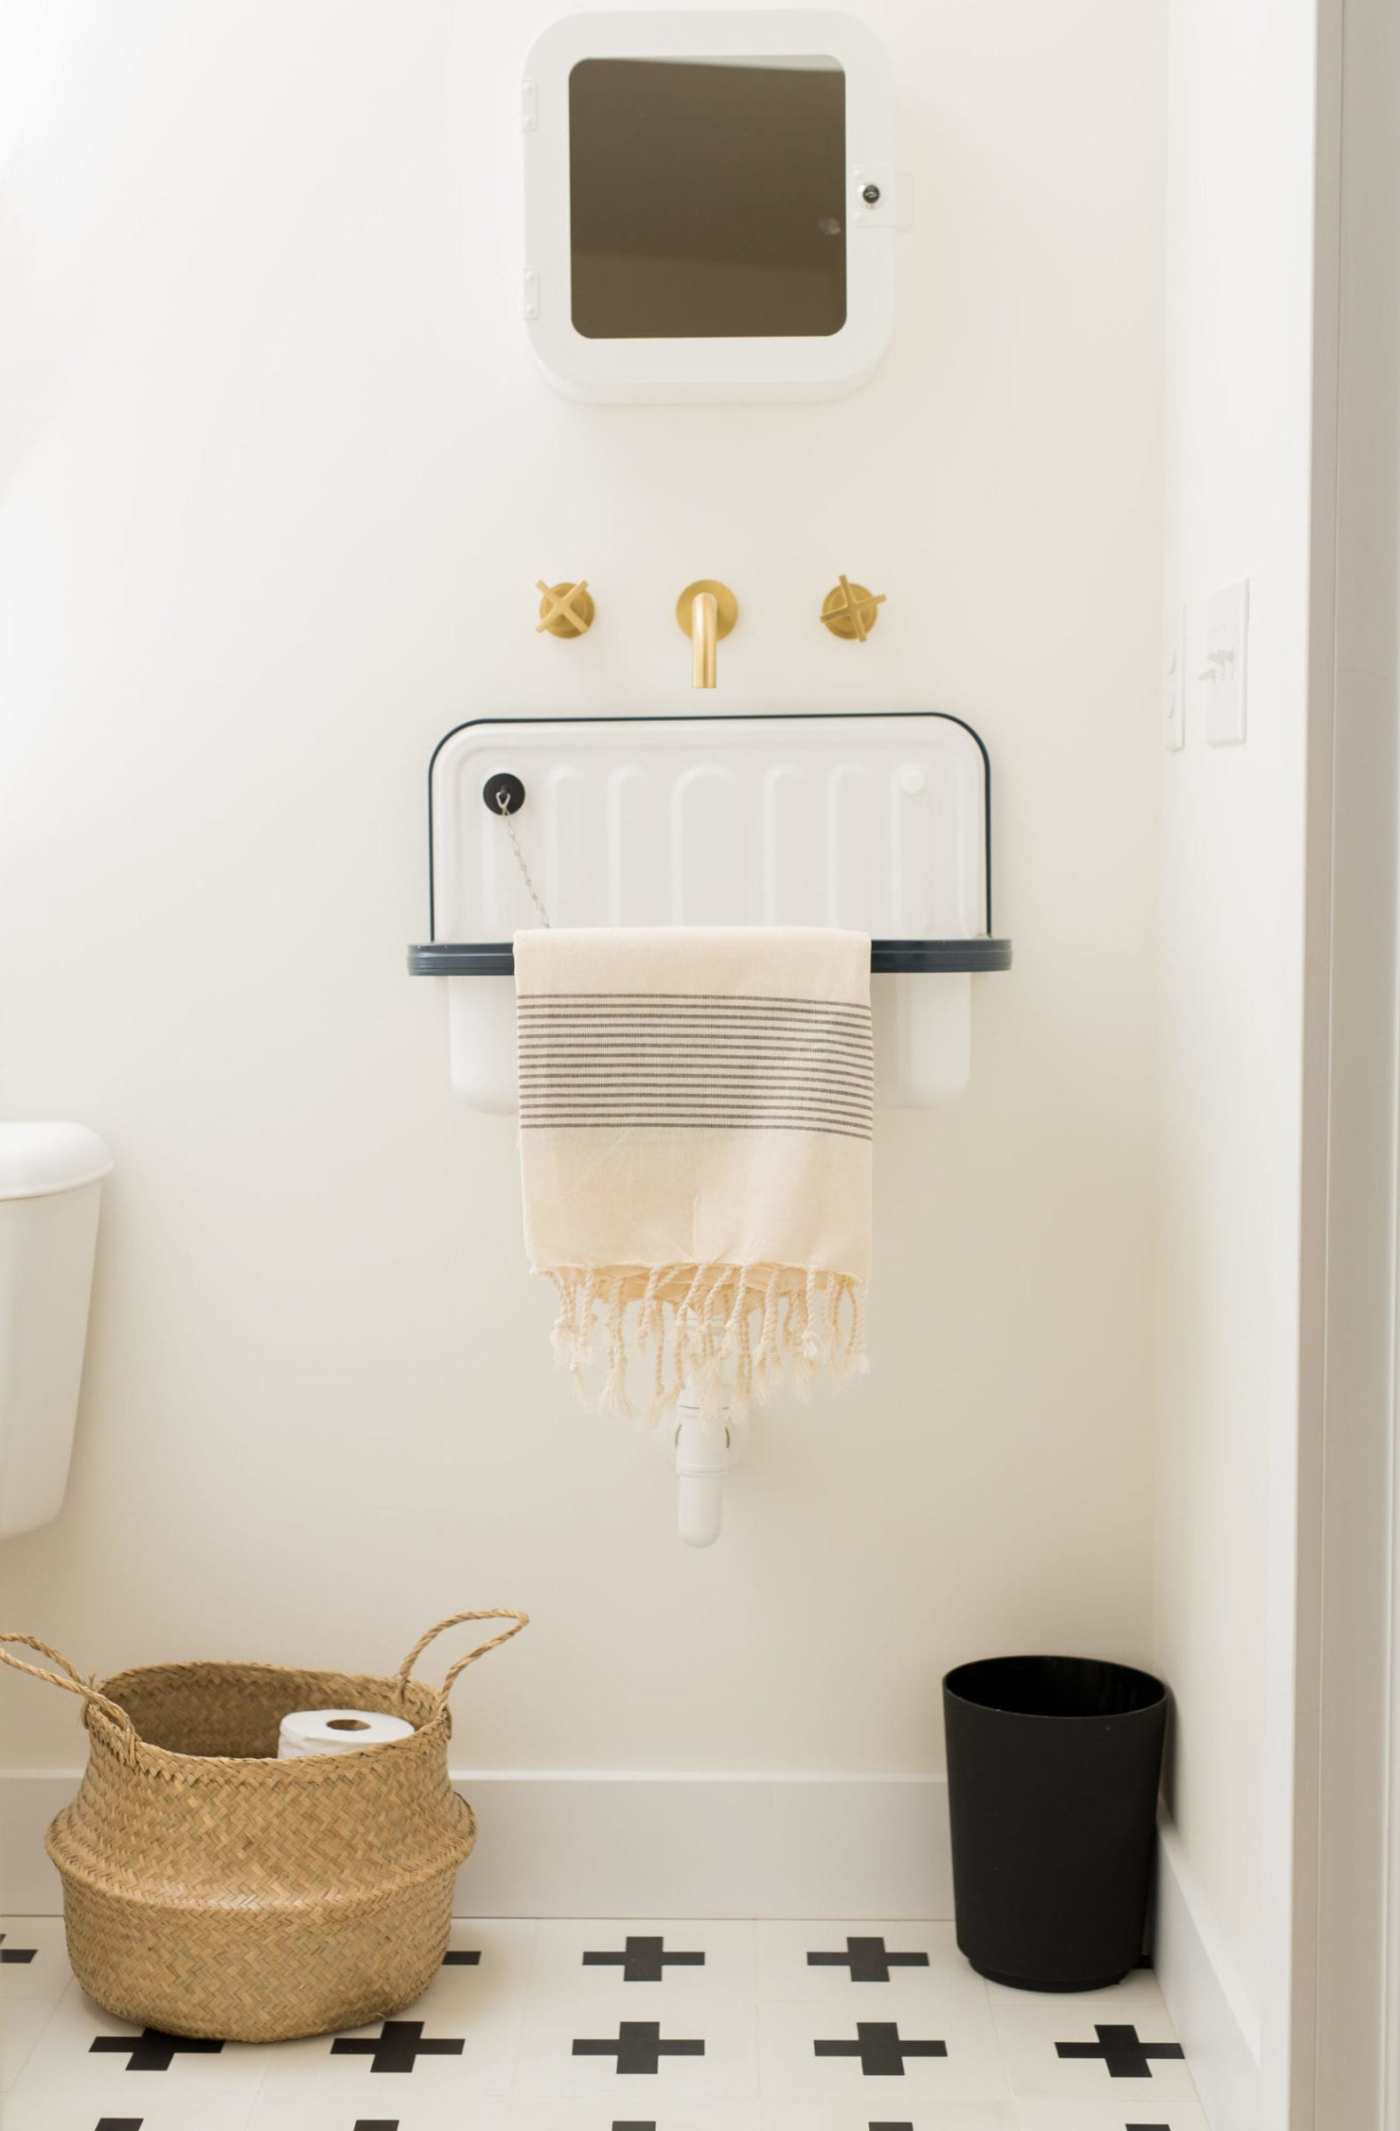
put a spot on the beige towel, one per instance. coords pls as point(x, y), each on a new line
point(695, 1129)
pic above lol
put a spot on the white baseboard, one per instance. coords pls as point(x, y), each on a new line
point(592, 1843)
point(1210, 2008)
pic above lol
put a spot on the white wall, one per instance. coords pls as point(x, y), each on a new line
point(1230, 1029)
point(280, 477)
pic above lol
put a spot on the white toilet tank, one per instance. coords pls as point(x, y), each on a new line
point(50, 1185)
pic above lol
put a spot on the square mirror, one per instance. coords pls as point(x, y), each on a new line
point(709, 205)
point(740, 225)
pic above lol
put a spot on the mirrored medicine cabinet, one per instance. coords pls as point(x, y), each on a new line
point(710, 205)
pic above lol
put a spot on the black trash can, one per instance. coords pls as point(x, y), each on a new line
point(1053, 1770)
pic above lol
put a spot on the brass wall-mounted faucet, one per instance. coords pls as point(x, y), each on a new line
point(705, 611)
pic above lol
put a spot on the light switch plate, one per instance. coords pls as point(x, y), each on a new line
point(1223, 676)
point(1174, 692)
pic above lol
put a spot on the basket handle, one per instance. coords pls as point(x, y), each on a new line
point(522, 1620)
point(73, 1684)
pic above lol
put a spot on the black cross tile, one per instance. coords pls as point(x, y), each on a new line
point(398, 2047)
point(462, 1957)
point(154, 2051)
point(120, 2123)
point(1123, 2055)
point(880, 2049)
point(1147, 2127)
point(891, 2127)
point(376, 2123)
point(16, 1953)
point(867, 1960)
point(619, 2125)
point(639, 2047)
point(644, 1960)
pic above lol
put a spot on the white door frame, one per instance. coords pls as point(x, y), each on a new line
point(1344, 1986)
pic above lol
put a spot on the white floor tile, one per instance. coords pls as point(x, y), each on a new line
point(28, 2110)
point(876, 1964)
point(1039, 2073)
point(1031, 2024)
point(1137, 2111)
point(491, 1987)
point(383, 2062)
point(793, 2069)
point(724, 2069)
point(65, 2075)
point(296, 2110)
point(525, 2112)
point(30, 1989)
point(632, 1954)
point(927, 2116)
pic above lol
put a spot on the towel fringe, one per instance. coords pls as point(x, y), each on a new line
point(737, 1333)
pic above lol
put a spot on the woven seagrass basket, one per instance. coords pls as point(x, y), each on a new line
point(210, 1889)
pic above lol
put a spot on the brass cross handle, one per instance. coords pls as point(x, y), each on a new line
point(565, 610)
point(851, 611)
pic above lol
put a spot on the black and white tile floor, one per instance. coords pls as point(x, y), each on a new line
point(623, 2027)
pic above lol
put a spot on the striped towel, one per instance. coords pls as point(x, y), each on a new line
point(695, 1134)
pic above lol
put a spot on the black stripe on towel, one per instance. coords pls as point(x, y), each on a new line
point(826, 1006)
point(616, 1061)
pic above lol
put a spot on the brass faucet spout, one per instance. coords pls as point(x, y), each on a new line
point(704, 637)
point(706, 611)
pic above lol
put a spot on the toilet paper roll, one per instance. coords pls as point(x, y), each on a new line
point(336, 1731)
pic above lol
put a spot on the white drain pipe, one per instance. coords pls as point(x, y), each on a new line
point(702, 1460)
